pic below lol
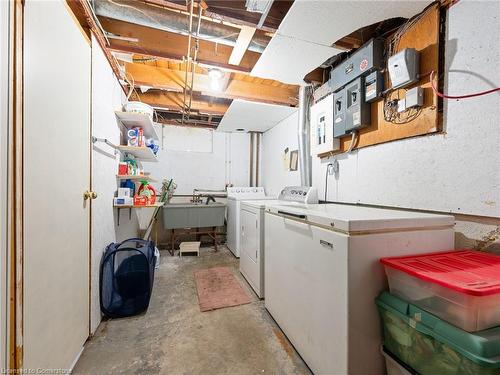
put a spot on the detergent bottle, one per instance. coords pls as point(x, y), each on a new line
point(148, 191)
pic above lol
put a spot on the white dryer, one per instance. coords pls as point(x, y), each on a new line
point(252, 231)
point(234, 197)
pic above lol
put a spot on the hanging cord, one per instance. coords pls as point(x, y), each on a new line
point(466, 96)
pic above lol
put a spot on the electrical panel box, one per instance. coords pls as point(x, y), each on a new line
point(358, 111)
point(366, 59)
point(339, 113)
point(403, 68)
point(321, 116)
point(374, 85)
point(414, 97)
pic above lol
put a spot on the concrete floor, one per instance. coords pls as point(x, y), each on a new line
point(174, 337)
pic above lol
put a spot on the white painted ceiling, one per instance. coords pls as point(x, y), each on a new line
point(304, 38)
point(253, 116)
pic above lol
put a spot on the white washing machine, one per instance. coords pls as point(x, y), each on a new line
point(234, 197)
point(252, 231)
point(322, 275)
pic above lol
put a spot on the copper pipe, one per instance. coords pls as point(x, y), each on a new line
point(188, 59)
point(193, 66)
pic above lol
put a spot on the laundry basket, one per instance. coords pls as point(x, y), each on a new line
point(126, 277)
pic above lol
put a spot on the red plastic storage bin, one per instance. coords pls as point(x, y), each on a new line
point(461, 287)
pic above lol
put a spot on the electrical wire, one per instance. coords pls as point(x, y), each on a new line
point(396, 37)
point(390, 109)
point(326, 179)
point(458, 97)
point(354, 140)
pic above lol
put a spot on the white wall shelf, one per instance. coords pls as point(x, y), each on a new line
point(135, 177)
point(133, 206)
point(139, 153)
point(157, 204)
point(131, 119)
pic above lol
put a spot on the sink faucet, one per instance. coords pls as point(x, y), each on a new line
point(196, 197)
point(210, 198)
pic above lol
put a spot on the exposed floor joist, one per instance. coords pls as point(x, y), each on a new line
point(235, 11)
point(163, 44)
point(159, 54)
point(266, 91)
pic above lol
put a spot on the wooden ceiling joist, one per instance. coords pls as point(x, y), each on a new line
point(167, 45)
point(248, 89)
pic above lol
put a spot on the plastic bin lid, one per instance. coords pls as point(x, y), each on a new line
point(465, 271)
point(481, 347)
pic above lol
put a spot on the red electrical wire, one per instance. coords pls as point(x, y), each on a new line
point(444, 96)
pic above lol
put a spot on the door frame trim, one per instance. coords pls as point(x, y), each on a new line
point(15, 207)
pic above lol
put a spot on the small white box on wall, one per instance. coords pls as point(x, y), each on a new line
point(322, 140)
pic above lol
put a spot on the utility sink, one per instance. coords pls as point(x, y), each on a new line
point(193, 215)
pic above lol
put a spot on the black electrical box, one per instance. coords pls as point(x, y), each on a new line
point(339, 113)
point(374, 85)
point(366, 59)
point(358, 111)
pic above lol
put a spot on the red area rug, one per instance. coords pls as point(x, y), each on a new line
point(218, 288)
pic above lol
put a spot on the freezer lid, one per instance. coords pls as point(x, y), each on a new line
point(351, 218)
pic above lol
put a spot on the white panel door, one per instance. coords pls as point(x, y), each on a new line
point(57, 61)
point(306, 290)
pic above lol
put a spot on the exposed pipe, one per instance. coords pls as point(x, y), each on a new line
point(257, 159)
point(188, 60)
point(173, 21)
point(305, 161)
point(195, 60)
point(251, 157)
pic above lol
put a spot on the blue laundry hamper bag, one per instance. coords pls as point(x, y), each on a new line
point(126, 277)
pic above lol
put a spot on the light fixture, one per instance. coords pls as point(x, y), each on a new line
point(215, 76)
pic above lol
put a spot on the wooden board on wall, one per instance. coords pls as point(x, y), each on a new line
point(424, 37)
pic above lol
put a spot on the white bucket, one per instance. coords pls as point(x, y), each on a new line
point(139, 107)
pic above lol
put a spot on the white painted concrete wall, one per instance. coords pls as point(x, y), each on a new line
point(453, 172)
point(107, 97)
point(4, 118)
point(275, 141)
point(227, 163)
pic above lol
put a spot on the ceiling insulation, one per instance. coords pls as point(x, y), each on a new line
point(253, 116)
point(316, 25)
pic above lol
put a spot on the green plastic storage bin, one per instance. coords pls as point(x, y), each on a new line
point(433, 347)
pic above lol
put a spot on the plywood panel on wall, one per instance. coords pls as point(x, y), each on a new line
point(424, 37)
